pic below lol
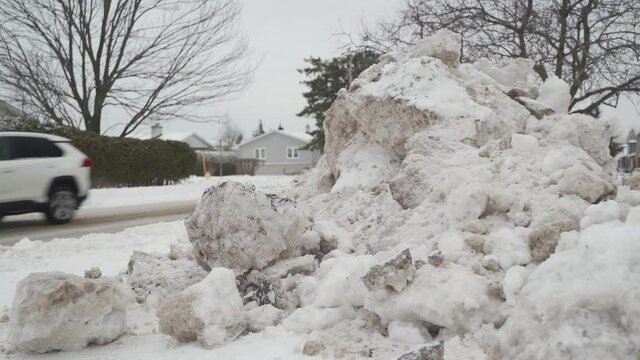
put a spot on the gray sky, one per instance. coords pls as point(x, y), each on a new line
point(281, 33)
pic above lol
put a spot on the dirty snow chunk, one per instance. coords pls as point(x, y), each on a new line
point(210, 311)
point(310, 241)
point(431, 351)
point(590, 134)
point(443, 45)
point(628, 196)
point(600, 213)
point(514, 280)
point(237, 227)
point(583, 302)
point(407, 331)
point(467, 203)
point(157, 274)
point(632, 180)
point(93, 273)
point(310, 318)
point(578, 180)
point(633, 217)
point(467, 349)
point(304, 265)
point(509, 246)
point(362, 164)
point(340, 281)
point(57, 311)
point(451, 297)
point(555, 93)
point(393, 275)
point(261, 317)
point(524, 144)
point(509, 73)
point(452, 247)
point(556, 160)
point(535, 107)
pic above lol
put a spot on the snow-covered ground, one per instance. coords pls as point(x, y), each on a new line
point(188, 190)
point(111, 253)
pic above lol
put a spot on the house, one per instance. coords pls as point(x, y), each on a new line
point(280, 152)
point(628, 158)
point(193, 140)
point(9, 111)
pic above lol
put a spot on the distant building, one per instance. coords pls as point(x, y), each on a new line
point(9, 111)
point(628, 158)
point(193, 140)
point(280, 152)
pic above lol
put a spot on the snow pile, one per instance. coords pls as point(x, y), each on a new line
point(210, 311)
point(57, 311)
point(474, 170)
point(237, 227)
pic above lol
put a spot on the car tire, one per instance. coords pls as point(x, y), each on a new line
point(62, 206)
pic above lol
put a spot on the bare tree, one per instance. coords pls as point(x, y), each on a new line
point(229, 134)
point(68, 60)
point(594, 45)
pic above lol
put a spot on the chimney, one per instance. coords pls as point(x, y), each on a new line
point(156, 131)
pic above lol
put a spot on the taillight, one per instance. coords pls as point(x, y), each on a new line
point(87, 162)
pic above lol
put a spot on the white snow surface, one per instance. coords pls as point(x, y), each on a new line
point(189, 190)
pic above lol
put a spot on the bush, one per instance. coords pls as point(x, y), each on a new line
point(120, 162)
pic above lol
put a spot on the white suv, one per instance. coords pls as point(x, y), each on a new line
point(42, 173)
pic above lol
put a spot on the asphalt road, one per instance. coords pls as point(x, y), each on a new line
point(96, 220)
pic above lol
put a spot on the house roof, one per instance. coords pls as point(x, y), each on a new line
point(9, 110)
point(177, 136)
point(304, 137)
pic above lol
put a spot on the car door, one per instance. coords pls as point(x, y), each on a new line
point(34, 161)
point(8, 181)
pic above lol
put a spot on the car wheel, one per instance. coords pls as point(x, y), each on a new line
point(62, 205)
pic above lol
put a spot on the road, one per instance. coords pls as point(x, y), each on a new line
point(93, 220)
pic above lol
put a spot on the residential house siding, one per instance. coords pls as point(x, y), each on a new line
point(276, 161)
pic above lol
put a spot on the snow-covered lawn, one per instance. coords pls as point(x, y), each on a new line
point(189, 190)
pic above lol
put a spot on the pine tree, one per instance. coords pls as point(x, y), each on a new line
point(324, 79)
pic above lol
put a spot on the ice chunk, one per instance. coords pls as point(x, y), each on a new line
point(237, 227)
point(444, 45)
point(555, 93)
point(524, 144)
point(210, 311)
point(57, 311)
point(514, 280)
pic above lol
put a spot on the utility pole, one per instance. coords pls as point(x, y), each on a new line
point(220, 156)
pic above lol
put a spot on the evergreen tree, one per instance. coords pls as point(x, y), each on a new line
point(324, 79)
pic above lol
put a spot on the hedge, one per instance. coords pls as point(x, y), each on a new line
point(125, 162)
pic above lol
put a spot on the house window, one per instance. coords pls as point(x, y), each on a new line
point(260, 153)
point(292, 153)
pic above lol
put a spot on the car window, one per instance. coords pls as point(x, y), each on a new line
point(32, 147)
point(5, 152)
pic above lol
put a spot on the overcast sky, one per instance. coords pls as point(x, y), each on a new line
point(281, 34)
